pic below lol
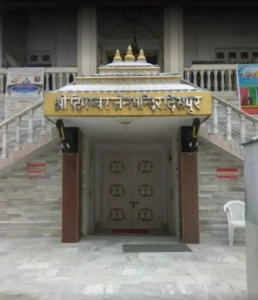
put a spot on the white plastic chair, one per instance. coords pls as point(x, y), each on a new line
point(236, 217)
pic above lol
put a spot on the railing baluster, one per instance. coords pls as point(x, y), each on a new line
point(18, 134)
point(229, 125)
point(47, 81)
point(222, 81)
point(215, 81)
point(30, 126)
point(202, 79)
point(43, 129)
point(195, 77)
point(230, 88)
point(242, 129)
point(60, 76)
point(215, 116)
point(208, 80)
point(67, 78)
point(4, 142)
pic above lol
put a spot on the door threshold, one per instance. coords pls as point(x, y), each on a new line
point(136, 231)
point(150, 232)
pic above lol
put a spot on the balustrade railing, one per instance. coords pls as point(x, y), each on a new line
point(217, 78)
point(22, 128)
point(230, 121)
point(55, 78)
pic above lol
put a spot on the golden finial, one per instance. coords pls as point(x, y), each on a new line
point(117, 56)
point(141, 56)
point(129, 55)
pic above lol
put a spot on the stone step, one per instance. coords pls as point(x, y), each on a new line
point(31, 233)
point(238, 235)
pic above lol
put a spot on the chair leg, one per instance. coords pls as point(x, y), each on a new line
point(232, 230)
point(231, 235)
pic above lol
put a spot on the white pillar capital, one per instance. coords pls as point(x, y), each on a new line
point(173, 39)
point(87, 40)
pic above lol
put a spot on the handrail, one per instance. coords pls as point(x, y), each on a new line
point(210, 67)
point(21, 113)
point(61, 69)
point(22, 135)
point(233, 131)
point(50, 70)
point(225, 103)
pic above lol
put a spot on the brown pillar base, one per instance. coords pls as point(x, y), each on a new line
point(71, 202)
point(189, 198)
point(189, 193)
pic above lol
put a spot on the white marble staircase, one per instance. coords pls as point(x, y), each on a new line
point(23, 137)
point(228, 127)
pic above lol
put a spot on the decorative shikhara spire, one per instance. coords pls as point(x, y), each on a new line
point(141, 56)
point(129, 55)
point(117, 56)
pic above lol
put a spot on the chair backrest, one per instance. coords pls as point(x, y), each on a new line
point(235, 209)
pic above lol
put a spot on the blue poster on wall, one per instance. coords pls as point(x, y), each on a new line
point(24, 87)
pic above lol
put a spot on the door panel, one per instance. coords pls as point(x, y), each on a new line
point(146, 183)
point(116, 191)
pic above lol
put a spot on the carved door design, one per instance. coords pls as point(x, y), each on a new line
point(116, 191)
point(131, 190)
point(146, 190)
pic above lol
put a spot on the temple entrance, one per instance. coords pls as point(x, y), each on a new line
point(131, 102)
point(132, 190)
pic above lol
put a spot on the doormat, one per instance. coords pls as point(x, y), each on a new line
point(156, 248)
point(130, 231)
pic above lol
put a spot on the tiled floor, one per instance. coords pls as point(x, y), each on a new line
point(96, 268)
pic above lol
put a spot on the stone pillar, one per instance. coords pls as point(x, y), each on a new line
point(87, 40)
point(72, 193)
point(173, 40)
point(251, 216)
point(189, 193)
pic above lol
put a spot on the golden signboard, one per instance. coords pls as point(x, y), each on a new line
point(84, 104)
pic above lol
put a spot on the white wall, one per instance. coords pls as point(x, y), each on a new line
point(54, 32)
point(205, 33)
point(66, 40)
point(14, 34)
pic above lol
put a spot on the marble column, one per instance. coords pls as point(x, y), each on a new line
point(173, 39)
point(87, 40)
point(251, 216)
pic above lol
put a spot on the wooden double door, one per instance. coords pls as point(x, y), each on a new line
point(132, 190)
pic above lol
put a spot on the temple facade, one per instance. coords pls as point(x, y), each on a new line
point(146, 108)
